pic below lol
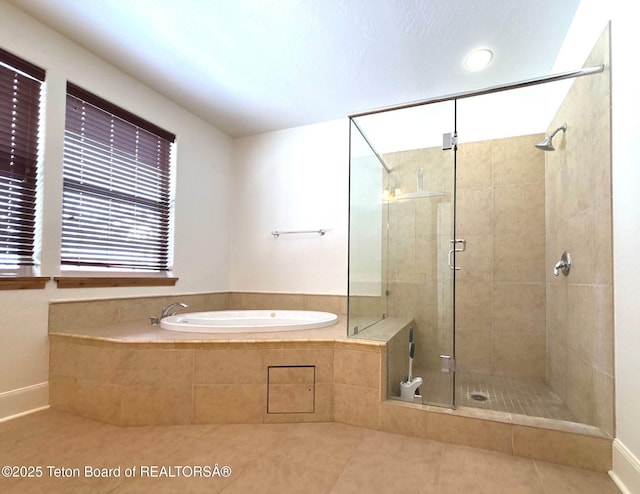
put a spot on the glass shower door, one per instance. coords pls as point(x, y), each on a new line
point(414, 173)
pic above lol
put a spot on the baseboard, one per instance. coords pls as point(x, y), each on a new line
point(626, 469)
point(23, 401)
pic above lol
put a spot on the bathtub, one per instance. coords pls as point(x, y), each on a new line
point(248, 321)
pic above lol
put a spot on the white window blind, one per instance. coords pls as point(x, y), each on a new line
point(20, 84)
point(116, 192)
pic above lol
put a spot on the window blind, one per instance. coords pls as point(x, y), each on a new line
point(116, 190)
point(20, 84)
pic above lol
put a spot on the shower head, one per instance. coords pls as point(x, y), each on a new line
point(546, 144)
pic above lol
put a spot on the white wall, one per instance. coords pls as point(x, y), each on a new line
point(626, 238)
point(202, 234)
point(588, 24)
point(294, 179)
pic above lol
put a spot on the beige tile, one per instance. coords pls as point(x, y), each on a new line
point(556, 372)
point(517, 161)
point(97, 400)
point(474, 164)
point(592, 453)
point(517, 353)
point(579, 398)
point(156, 404)
point(467, 470)
point(569, 480)
point(157, 367)
point(581, 319)
point(62, 393)
point(413, 300)
point(80, 486)
point(267, 476)
point(477, 261)
point(485, 434)
point(426, 255)
point(229, 404)
point(474, 302)
point(427, 218)
point(400, 418)
point(519, 209)
point(402, 218)
point(229, 366)
point(380, 453)
point(580, 244)
point(602, 339)
point(322, 411)
point(355, 405)
point(320, 357)
point(257, 301)
point(474, 351)
point(40, 424)
point(216, 301)
point(357, 368)
point(78, 315)
point(557, 313)
point(519, 307)
point(602, 243)
point(291, 398)
point(170, 486)
point(474, 212)
point(346, 457)
point(519, 257)
point(304, 375)
point(603, 401)
point(85, 361)
point(336, 304)
point(333, 445)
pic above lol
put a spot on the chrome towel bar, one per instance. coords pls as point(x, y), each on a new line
point(277, 233)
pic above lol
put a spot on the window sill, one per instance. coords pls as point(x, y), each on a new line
point(112, 281)
point(23, 282)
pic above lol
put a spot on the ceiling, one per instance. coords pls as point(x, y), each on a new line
point(253, 66)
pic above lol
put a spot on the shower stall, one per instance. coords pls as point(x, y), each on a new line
point(464, 214)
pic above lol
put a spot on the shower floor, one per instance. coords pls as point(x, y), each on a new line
point(505, 394)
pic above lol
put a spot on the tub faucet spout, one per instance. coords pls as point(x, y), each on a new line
point(167, 311)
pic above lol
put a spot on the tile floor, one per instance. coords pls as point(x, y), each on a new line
point(511, 394)
point(504, 394)
point(269, 458)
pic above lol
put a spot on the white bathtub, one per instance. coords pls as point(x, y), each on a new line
point(248, 321)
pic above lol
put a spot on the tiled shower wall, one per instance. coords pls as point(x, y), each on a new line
point(580, 306)
point(416, 228)
point(500, 290)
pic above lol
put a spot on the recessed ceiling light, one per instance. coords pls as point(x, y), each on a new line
point(478, 59)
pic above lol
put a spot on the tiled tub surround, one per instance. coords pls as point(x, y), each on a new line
point(123, 374)
point(70, 315)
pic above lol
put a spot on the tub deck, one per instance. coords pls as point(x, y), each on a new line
point(143, 332)
point(132, 373)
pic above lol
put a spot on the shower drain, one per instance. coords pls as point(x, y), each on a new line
point(478, 396)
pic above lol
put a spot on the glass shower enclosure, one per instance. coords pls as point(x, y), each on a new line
point(402, 243)
point(457, 218)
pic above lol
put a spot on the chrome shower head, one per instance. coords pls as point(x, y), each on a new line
point(546, 144)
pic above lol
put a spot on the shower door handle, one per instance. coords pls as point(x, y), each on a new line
point(464, 247)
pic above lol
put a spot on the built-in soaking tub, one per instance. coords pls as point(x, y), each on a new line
point(248, 321)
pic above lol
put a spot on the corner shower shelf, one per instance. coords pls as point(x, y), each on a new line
point(421, 194)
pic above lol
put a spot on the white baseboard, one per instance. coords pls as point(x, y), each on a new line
point(626, 469)
point(23, 401)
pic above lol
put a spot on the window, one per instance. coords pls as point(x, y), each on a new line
point(20, 84)
point(116, 188)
